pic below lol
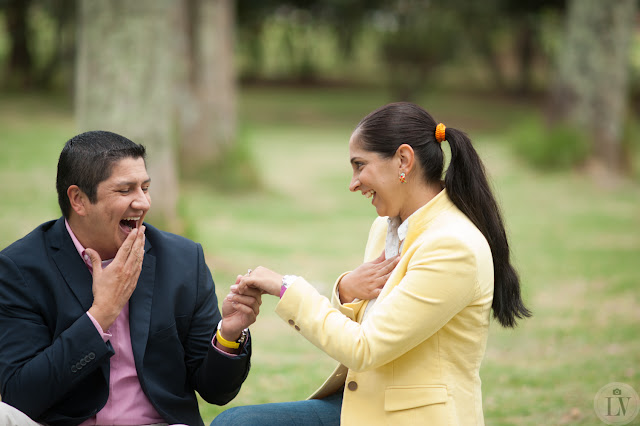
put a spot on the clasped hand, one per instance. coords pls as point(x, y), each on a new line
point(365, 282)
point(239, 311)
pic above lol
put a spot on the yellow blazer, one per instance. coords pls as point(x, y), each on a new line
point(415, 359)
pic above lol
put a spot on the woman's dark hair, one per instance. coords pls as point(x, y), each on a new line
point(87, 159)
point(388, 127)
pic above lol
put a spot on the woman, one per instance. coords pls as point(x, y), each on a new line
point(410, 351)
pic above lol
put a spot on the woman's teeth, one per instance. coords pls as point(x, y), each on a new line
point(369, 193)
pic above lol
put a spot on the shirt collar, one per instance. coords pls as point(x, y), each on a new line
point(402, 229)
point(399, 228)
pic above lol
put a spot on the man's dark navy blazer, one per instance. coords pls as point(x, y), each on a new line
point(54, 365)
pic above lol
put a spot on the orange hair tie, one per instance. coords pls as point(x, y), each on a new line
point(440, 131)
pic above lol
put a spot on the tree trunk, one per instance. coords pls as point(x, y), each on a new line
point(207, 93)
point(20, 63)
point(594, 74)
point(125, 83)
point(525, 46)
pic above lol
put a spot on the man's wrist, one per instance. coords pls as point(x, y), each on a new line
point(101, 318)
point(231, 340)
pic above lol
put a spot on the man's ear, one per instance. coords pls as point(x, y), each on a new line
point(406, 156)
point(78, 200)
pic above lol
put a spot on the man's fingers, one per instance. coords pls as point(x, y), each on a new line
point(247, 310)
point(136, 253)
point(125, 249)
point(96, 262)
point(252, 302)
point(253, 292)
point(140, 239)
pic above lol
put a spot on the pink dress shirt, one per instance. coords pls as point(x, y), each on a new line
point(127, 404)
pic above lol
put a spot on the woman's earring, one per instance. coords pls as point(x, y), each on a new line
point(403, 177)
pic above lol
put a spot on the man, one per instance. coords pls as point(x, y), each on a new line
point(106, 320)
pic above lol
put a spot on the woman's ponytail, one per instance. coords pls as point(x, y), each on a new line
point(468, 188)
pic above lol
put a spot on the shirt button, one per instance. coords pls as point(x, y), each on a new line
point(297, 328)
point(291, 322)
point(352, 386)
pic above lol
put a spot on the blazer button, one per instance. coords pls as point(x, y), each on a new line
point(74, 369)
point(92, 355)
point(291, 322)
point(352, 386)
point(83, 362)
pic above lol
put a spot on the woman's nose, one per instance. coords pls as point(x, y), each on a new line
point(355, 183)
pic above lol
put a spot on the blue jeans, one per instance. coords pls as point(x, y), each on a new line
point(312, 412)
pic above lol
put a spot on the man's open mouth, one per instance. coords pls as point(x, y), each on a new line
point(129, 223)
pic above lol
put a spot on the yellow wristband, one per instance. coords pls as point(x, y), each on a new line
point(226, 343)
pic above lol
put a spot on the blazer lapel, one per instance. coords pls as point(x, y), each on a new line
point(140, 306)
point(418, 223)
point(70, 264)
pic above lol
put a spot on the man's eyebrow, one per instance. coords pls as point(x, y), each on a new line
point(129, 183)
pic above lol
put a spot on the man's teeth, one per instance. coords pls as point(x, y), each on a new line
point(369, 194)
point(131, 222)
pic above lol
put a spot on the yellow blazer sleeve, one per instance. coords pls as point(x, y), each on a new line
point(440, 281)
point(351, 309)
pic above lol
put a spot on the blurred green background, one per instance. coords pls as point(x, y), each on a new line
point(258, 102)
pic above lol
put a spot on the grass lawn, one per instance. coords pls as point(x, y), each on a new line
point(576, 244)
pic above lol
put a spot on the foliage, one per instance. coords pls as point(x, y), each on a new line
point(37, 43)
point(403, 43)
point(558, 147)
point(420, 37)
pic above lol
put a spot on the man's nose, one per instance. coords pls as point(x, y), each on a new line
point(142, 201)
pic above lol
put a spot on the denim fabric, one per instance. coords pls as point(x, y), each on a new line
point(313, 412)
